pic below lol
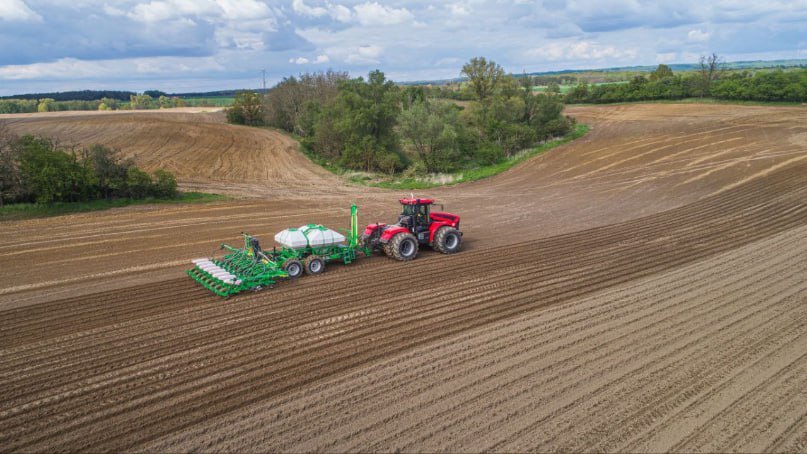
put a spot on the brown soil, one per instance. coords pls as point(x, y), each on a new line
point(641, 289)
point(196, 147)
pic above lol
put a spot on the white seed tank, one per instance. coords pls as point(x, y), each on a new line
point(311, 235)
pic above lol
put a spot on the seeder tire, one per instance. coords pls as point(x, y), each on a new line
point(314, 265)
point(447, 240)
point(293, 267)
point(403, 247)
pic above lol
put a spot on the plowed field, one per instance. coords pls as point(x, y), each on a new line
point(642, 289)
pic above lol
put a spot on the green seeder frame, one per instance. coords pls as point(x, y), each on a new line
point(242, 269)
point(251, 268)
point(336, 252)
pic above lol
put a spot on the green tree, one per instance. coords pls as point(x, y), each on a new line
point(165, 184)
point(483, 76)
point(45, 105)
point(138, 183)
point(110, 103)
point(140, 102)
point(165, 102)
point(294, 103)
point(51, 174)
point(155, 93)
point(109, 169)
point(579, 93)
point(433, 130)
point(247, 109)
point(10, 179)
point(364, 116)
point(489, 153)
point(710, 68)
point(661, 72)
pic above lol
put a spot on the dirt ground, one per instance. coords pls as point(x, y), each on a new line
point(641, 289)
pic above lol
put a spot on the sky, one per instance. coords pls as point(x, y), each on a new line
point(203, 45)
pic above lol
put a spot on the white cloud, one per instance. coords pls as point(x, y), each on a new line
point(113, 11)
point(244, 9)
point(300, 7)
point(581, 50)
point(370, 51)
point(239, 39)
point(212, 10)
point(17, 10)
point(376, 14)
point(459, 10)
point(83, 69)
point(698, 36)
point(304, 61)
point(341, 13)
point(365, 54)
point(336, 11)
point(161, 10)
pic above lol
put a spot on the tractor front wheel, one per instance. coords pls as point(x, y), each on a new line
point(447, 240)
point(293, 267)
point(403, 246)
point(314, 265)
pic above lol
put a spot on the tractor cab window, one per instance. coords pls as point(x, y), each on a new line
point(422, 215)
point(409, 210)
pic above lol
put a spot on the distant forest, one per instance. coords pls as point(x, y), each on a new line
point(94, 95)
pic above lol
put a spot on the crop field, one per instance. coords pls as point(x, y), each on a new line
point(641, 289)
point(565, 88)
point(217, 101)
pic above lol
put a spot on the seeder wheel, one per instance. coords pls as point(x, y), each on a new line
point(314, 265)
point(293, 267)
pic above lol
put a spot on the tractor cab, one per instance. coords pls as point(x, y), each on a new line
point(415, 214)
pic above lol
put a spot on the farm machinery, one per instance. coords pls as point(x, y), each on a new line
point(308, 248)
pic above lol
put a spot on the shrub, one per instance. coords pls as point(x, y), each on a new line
point(489, 153)
point(165, 184)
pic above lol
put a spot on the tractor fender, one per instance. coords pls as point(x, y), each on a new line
point(371, 228)
point(390, 232)
point(435, 226)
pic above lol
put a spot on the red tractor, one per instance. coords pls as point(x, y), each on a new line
point(416, 226)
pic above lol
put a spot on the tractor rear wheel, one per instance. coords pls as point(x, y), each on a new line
point(447, 240)
point(403, 246)
point(293, 267)
point(314, 265)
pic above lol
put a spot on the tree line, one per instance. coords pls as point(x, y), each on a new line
point(377, 126)
point(711, 80)
point(82, 95)
point(37, 169)
point(135, 102)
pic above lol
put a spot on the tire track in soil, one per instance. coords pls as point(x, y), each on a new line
point(564, 387)
point(769, 397)
point(679, 218)
point(319, 404)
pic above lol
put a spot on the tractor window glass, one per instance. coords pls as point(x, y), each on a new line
point(408, 210)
